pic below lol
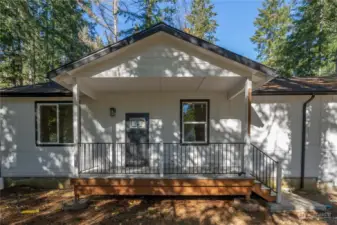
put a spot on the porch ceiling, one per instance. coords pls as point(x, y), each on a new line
point(219, 84)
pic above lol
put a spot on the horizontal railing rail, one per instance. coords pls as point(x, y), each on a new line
point(157, 158)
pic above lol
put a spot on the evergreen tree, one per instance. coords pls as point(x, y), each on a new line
point(148, 13)
point(38, 35)
point(311, 48)
point(201, 22)
point(272, 23)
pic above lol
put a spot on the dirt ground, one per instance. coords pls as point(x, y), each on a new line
point(151, 210)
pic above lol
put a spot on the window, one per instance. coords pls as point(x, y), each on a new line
point(54, 123)
point(194, 121)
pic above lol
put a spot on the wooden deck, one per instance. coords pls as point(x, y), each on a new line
point(190, 187)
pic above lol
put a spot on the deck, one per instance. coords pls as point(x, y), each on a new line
point(174, 169)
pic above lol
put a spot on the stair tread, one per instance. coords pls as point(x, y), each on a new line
point(264, 187)
point(273, 193)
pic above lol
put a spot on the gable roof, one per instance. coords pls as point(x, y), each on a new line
point(299, 86)
point(49, 89)
point(162, 27)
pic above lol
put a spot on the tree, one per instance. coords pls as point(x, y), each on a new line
point(105, 16)
point(201, 22)
point(273, 24)
point(38, 35)
point(148, 13)
point(311, 48)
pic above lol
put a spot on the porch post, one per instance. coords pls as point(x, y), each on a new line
point(246, 126)
point(76, 127)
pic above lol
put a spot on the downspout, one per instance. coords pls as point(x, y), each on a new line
point(304, 119)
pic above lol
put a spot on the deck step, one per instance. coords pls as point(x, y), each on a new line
point(264, 192)
point(273, 193)
point(263, 187)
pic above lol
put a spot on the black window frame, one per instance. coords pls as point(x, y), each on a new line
point(207, 121)
point(37, 103)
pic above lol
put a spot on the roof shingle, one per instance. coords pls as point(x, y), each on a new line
point(299, 86)
point(49, 89)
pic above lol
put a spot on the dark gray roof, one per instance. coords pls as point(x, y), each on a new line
point(162, 27)
point(299, 86)
point(49, 89)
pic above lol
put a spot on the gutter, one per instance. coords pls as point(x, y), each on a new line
point(304, 127)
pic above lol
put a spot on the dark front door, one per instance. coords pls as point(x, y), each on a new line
point(137, 139)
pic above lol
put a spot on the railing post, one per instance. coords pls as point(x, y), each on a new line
point(243, 158)
point(279, 182)
point(79, 158)
point(161, 159)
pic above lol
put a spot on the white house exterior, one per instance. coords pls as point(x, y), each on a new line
point(186, 100)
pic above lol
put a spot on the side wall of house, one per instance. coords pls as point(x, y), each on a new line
point(277, 129)
point(20, 157)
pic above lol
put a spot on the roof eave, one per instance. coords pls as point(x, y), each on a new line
point(36, 95)
point(257, 93)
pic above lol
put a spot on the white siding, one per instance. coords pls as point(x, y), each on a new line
point(20, 156)
point(161, 56)
point(277, 129)
point(164, 110)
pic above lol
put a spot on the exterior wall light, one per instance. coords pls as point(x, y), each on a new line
point(112, 112)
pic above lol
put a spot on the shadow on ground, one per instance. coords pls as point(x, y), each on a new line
point(140, 210)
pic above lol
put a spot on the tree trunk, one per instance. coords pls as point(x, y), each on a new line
point(115, 19)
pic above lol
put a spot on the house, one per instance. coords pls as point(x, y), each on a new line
point(165, 113)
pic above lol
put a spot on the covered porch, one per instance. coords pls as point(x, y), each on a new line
point(162, 126)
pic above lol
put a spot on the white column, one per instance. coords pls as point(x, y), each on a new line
point(245, 165)
point(76, 124)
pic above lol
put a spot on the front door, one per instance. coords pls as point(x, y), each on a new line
point(137, 139)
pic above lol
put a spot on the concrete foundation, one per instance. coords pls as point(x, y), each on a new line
point(38, 182)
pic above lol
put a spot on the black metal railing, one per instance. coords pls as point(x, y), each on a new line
point(119, 158)
point(156, 158)
point(263, 168)
point(213, 158)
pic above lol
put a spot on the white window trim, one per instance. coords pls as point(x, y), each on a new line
point(38, 123)
point(194, 122)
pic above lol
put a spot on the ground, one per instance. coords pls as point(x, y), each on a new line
point(46, 208)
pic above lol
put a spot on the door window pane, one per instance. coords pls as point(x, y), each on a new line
point(48, 123)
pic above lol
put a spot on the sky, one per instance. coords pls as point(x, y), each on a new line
point(236, 25)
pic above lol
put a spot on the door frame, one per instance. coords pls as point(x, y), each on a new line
point(145, 144)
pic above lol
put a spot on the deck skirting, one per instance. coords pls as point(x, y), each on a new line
point(190, 187)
